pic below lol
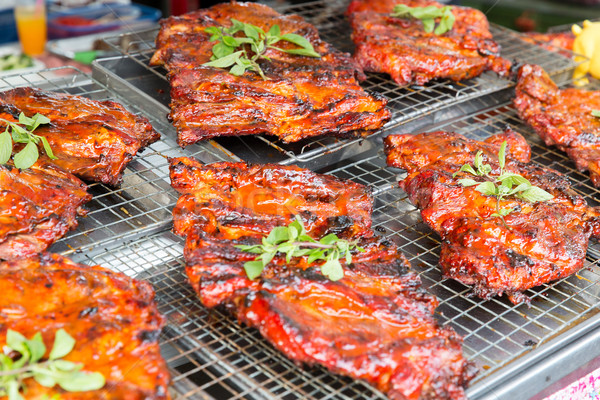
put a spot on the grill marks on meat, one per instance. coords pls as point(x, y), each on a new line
point(94, 140)
point(400, 46)
point(561, 117)
point(375, 324)
point(37, 206)
point(540, 242)
point(303, 97)
point(113, 319)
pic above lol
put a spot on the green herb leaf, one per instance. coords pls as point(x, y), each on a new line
point(15, 341)
point(36, 347)
point(428, 15)
point(293, 241)
point(488, 188)
point(535, 194)
point(63, 345)
point(82, 381)
point(44, 379)
point(466, 182)
point(252, 47)
point(253, 269)
point(26, 157)
point(596, 113)
point(502, 155)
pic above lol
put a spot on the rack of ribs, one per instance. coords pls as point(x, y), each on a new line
point(534, 244)
point(402, 48)
point(302, 97)
point(113, 319)
point(94, 140)
point(561, 117)
point(37, 206)
point(375, 323)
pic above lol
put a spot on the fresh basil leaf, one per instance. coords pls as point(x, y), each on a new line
point(278, 234)
point(47, 148)
point(221, 50)
point(251, 32)
point(297, 40)
point(486, 188)
point(63, 345)
point(466, 182)
point(36, 347)
point(266, 258)
point(236, 26)
point(520, 188)
point(24, 120)
point(332, 269)
point(535, 194)
point(485, 169)
point(502, 155)
point(303, 52)
point(67, 366)
point(13, 391)
point(38, 119)
point(428, 24)
point(19, 134)
point(44, 379)
point(224, 62)
point(329, 239)
point(596, 113)
point(15, 341)
point(237, 70)
point(316, 255)
point(477, 161)
point(301, 252)
point(82, 381)
point(230, 41)
point(253, 269)
point(466, 168)
point(6, 145)
point(213, 30)
point(274, 31)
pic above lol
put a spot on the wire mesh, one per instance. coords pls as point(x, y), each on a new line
point(143, 201)
point(405, 103)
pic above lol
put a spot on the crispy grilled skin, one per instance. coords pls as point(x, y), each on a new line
point(540, 242)
point(400, 47)
point(303, 96)
point(376, 323)
point(37, 206)
point(94, 140)
point(561, 117)
point(112, 317)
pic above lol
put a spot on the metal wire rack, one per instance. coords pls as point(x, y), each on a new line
point(406, 103)
point(142, 202)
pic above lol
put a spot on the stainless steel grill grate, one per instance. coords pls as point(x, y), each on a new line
point(406, 103)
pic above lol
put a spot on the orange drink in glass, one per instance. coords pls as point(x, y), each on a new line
point(31, 26)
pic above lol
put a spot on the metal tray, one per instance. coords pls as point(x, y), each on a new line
point(519, 350)
point(406, 103)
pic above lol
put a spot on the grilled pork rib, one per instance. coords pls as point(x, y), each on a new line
point(37, 206)
point(303, 96)
point(375, 324)
point(401, 47)
point(94, 140)
point(113, 319)
point(537, 243)
point(561, 117)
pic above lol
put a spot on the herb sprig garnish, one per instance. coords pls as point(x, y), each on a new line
point(22, 132)
point(293, 241)
point(22, 359)
point(242, 53)
point(501, 186)
point(596, 113)
point(427, 15)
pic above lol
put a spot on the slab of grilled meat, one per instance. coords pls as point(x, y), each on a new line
point(37, 206)
point(561, 117)
point(375, 324)
point(94, 140)
point(112, 317)
point(401, 47)
point(536, 243)
point(302, 97)
point(553, 41)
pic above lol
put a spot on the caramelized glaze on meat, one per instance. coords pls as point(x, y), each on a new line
point(553, 41)
point(94, 140)
point(374, 324)
point(303, 96)
point(561, 117)
point(37, 206)
point(113, 319)
point(540, 242)
point(401, 47)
